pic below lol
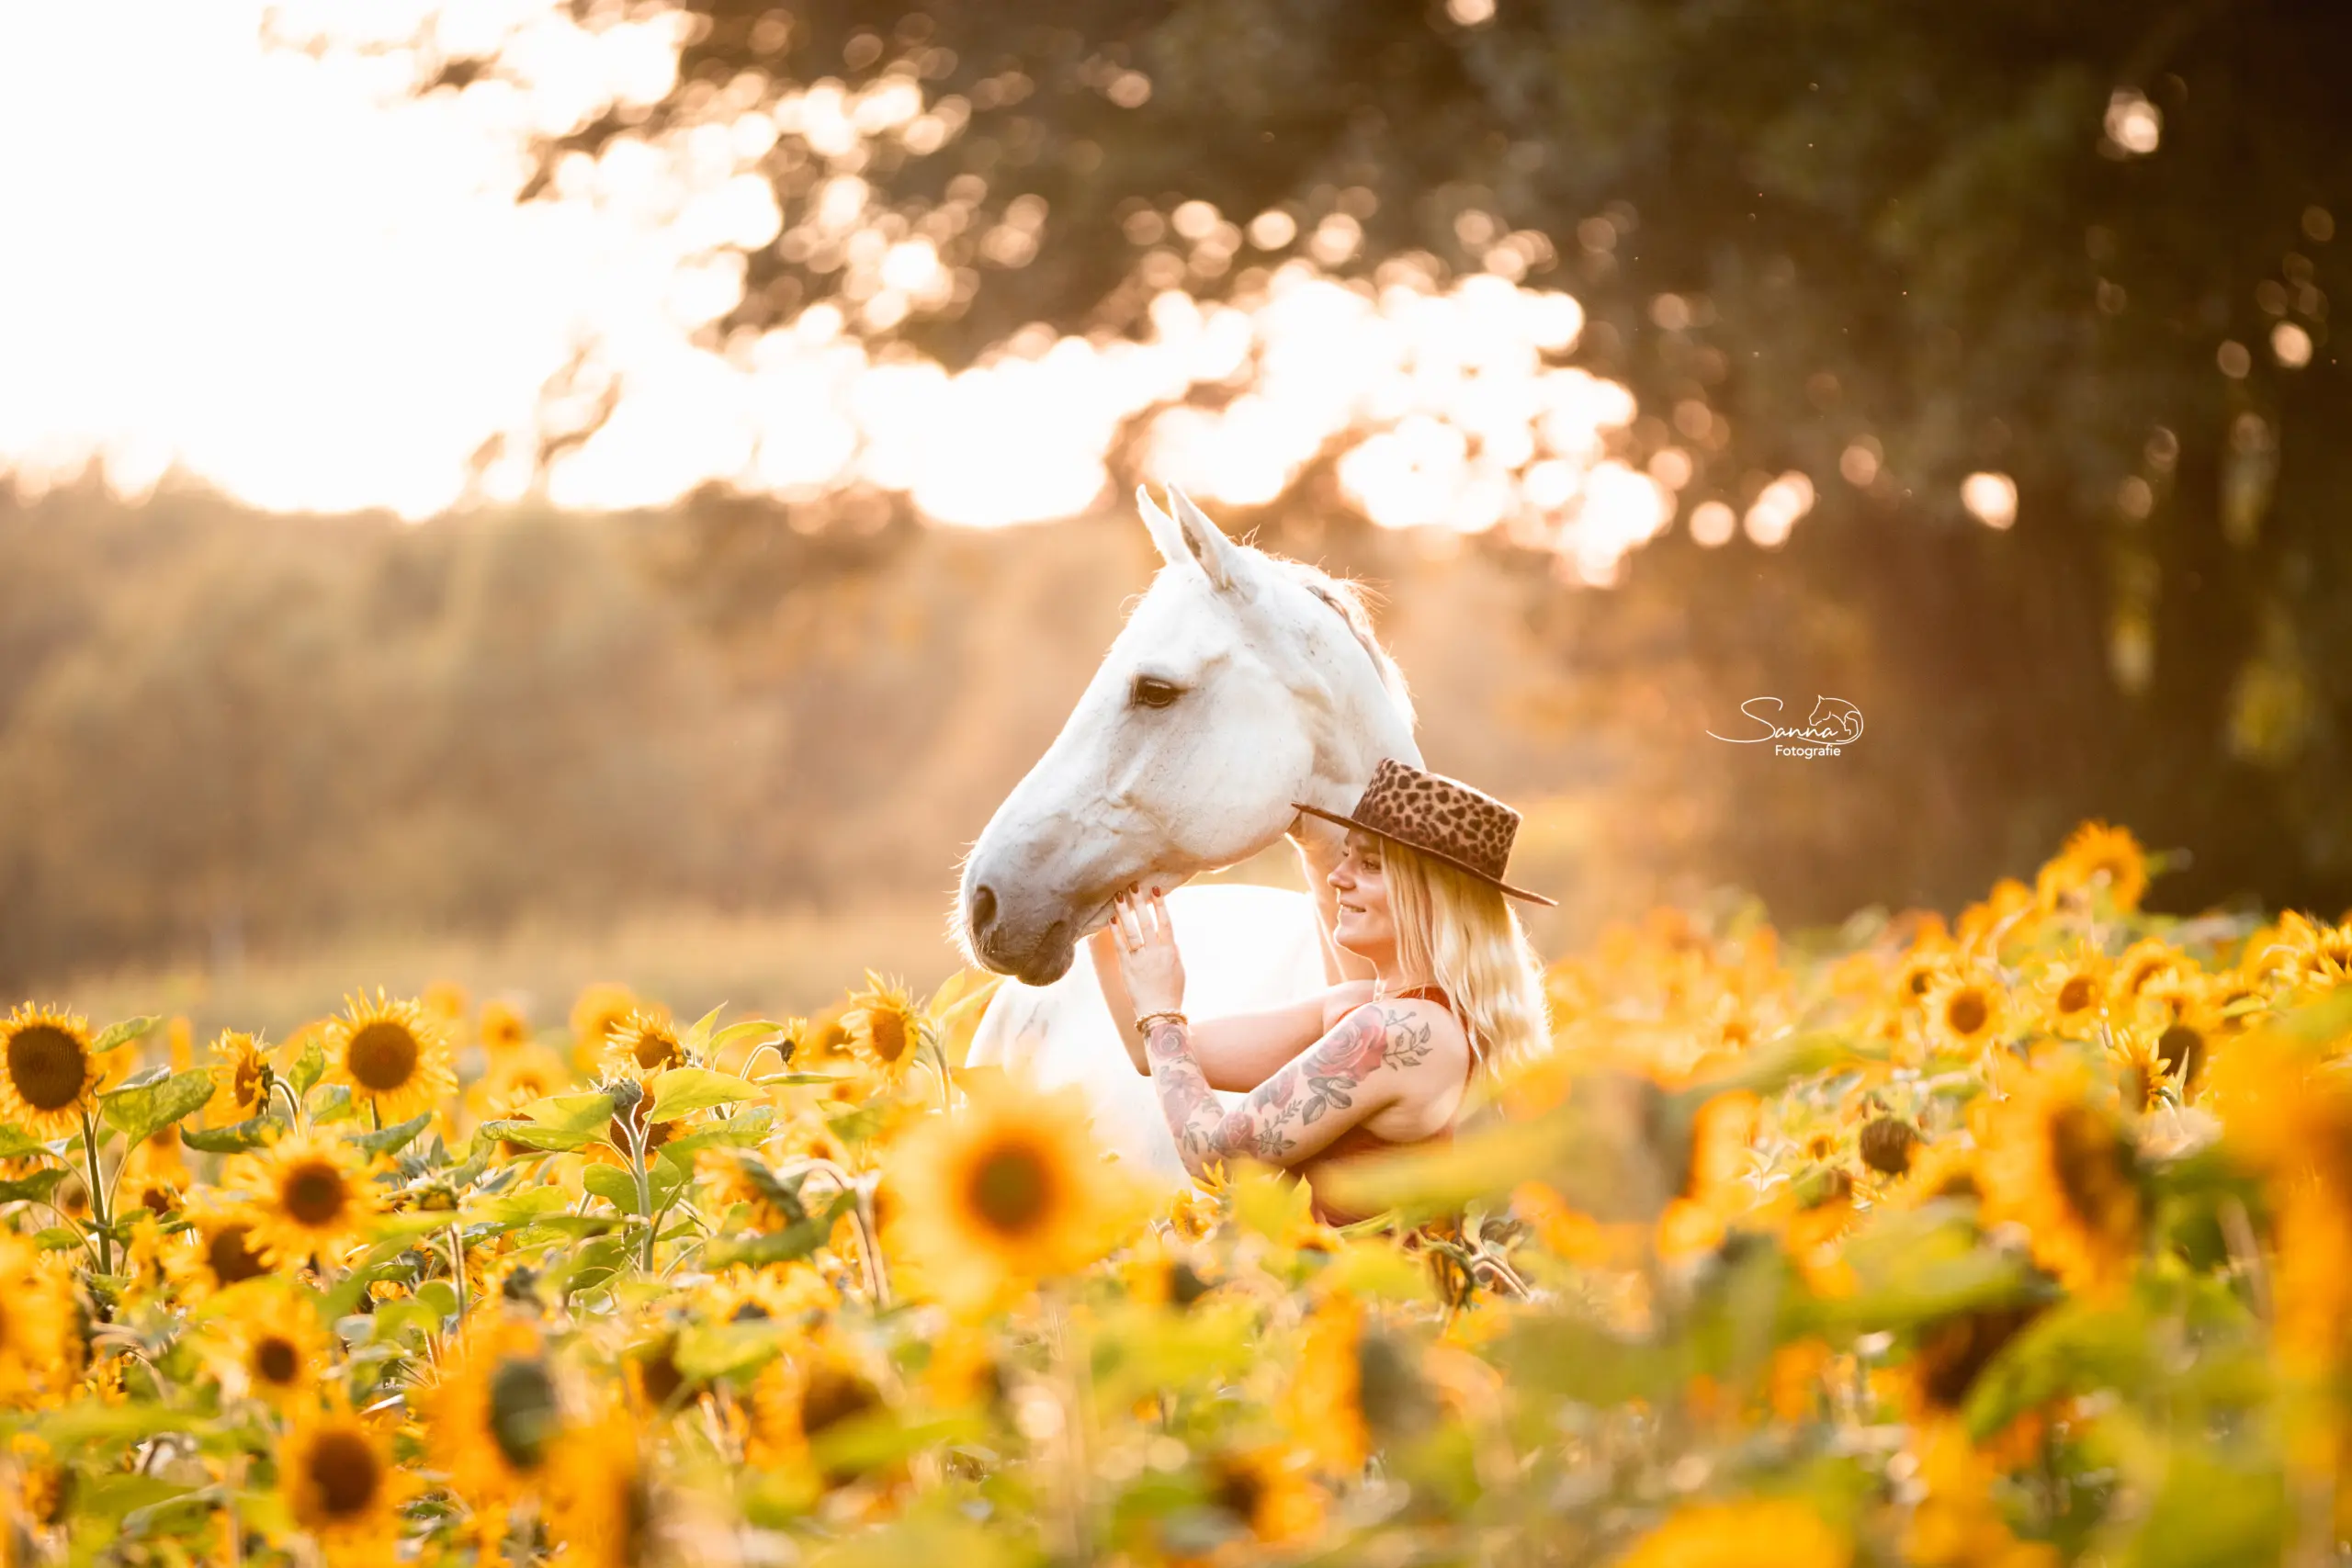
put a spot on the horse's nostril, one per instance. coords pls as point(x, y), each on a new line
point(983, 908)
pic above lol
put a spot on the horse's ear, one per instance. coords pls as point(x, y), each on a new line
point(1219, 556)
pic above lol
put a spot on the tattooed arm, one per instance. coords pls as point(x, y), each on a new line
point(1358, 1069)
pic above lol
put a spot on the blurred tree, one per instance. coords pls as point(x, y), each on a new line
point(2082, 249)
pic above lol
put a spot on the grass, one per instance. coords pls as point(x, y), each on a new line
point(792, 962)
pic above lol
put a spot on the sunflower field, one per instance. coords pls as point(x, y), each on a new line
point(2021, 1239)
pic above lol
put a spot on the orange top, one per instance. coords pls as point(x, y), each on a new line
point(1360, 1140)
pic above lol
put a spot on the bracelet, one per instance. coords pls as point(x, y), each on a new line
point(1142, 1024)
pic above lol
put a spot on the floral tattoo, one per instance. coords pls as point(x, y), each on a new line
point(1298, 1109)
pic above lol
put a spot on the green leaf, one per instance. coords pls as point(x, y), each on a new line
point(35, 1187)
point(392, 1139)
point(334, 1106)
point(709, 1351)
point(748, 1029)
point(519, 1208)
point(309, 1067)
point(794, 1241)
point(682, 1091)
point(530, 1135)
point(570, 1112)
point(18, 1144)
point(614, 1185)
point(139, 1114)
point(2210, 1510)
point(122, 1033)
point(246, 1135)
point(57, 1238)
point(737, 1132)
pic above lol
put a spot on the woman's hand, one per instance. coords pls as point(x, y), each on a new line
point(1149, 961)
point(1103, 949)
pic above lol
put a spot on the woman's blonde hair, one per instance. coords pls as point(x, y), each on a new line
point(1462, 933)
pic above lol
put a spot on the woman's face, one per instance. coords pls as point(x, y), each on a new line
point(1366, 926)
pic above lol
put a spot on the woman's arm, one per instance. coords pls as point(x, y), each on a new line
point(1239, 1051)
point(1357, 1070)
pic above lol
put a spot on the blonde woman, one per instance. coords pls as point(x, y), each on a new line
point(1417, 897)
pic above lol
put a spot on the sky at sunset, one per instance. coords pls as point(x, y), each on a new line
point(245, 249)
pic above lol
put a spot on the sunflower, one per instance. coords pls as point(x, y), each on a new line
point(1967, 1011)
point(823, 1386)
point(2061, 1164)
point(52, 1076)
point(37, 1342)
point(780, 1294)
point(600, 1503)
point(2095, 857)
point(1323, 1406)
point(446, 1001)
point(241, 1079)
point(2144, 961)
point(271, 1348)
point(2000, 913)
point(154, 1174)
point(517, 1076)
point(309, 1196)
point(341, 1486)
point(1887, 1144)
point(1009, 1190)
point(885, 1028)
point(394, 1054)
point(2073, 993)
point(1758, 1532)
point(644, 1043)
point(2131, 1049)
point(600, 1010)
point(503, 1028)
point(216, 1251)
point(493, 1420)
point(1268, 1492)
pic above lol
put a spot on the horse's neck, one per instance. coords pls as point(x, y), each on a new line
point(1365, 724)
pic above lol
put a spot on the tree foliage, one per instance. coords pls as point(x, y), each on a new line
point(2087, 246)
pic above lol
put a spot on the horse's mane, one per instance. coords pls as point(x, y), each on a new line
point(1349, 598)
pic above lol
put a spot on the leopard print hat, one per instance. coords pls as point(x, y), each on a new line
point(1439, 816)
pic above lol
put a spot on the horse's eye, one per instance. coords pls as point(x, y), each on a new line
point(1151, 692)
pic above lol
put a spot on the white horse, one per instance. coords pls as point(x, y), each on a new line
point(1241, 682)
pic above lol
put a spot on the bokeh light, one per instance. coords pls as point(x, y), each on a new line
point(355, 313)
point(1991, 498)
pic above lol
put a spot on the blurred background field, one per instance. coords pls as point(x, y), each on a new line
point(611, 480)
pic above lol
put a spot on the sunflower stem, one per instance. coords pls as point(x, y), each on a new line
point(97, 1196)
point(293, 1102)
point(457, 1270)
point(638, 1139)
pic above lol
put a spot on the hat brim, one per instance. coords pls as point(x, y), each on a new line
point(1457, 864)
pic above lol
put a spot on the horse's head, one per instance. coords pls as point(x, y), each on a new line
point(1239, 684)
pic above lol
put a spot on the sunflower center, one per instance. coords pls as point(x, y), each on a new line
point(834, 1393)
point(383, 1055)
point(1012, 1190)
point(343, 1467)
point(47, 1066)
point(248, 1088)
point(1240, 1490)
point(2085, 1157)
point(521, 1410)
point(231, 1259)
point(2183, 1049)
point(655, 1049)
point(314, 1193)
point(1967, 1012)
point(276, 1361)
point(2074, 994)
point(889, 1033)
